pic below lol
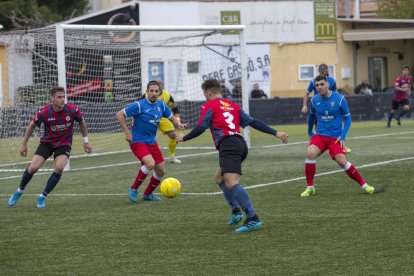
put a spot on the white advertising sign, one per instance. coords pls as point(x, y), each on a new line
point(266, 22)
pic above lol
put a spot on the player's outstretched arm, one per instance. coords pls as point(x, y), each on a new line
point(177, 122)
point(27, 134)
point(84, 130)
point(260, 126)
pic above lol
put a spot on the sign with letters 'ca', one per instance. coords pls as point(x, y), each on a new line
point(230, 18)
point(325, 23)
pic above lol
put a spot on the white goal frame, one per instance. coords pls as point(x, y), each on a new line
point(60, 29)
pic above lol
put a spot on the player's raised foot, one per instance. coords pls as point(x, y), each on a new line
point(235, 218)
point(41, 202)
point(369, 189)
point(250, 225)
point(174, 160)
point(133, 194)
point(14, 198)
point(308, 192)
point(151, 197)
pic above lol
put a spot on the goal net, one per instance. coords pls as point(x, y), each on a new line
point(105, 68)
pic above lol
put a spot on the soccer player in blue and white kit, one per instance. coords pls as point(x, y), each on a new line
point(330, 108)
point(147, 114)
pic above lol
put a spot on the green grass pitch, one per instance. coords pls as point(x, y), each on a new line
point(89, 227)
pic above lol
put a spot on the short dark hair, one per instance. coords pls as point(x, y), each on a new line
point(323, 66)
point(405, 67)
point(212, 85)
point(320, 77)
point(153, 82)
point(56, 89)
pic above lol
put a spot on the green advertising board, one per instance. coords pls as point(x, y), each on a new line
point(230, 18)
point(325, 20)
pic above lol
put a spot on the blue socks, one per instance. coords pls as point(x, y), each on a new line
point(228, 196)
point(25, 179)
point(51, 183)
point(242, 198)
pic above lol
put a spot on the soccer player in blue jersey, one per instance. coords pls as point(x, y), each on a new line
point(147, 114)
point(224, 119)
point(330, 108)
point(323, 71)
point(57, 119)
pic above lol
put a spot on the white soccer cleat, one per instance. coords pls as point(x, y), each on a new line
point(174, 160)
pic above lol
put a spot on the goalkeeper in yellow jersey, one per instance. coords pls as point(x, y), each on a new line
point(166, 126)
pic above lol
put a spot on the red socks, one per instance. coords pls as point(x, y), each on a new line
point(310, 169)
point(353, 173)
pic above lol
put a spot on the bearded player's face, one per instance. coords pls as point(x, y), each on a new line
point(153, 92)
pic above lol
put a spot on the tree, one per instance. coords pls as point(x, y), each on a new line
point(24, 14)
point(396, 9)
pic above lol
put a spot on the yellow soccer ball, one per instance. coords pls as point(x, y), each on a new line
point(170, 187)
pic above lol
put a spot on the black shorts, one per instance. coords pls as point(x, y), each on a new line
point(45, 150)
point(232, 152)
point(395, 104)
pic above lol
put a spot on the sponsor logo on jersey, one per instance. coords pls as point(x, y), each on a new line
point(225, 106)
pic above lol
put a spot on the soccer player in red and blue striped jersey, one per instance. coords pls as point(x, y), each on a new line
point(224, 119)
point(58, 119)
point(403, 85)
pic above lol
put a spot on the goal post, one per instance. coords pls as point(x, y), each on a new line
point(236, 29)
point(106, 67)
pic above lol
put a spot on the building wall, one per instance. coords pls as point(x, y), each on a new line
point(285, 61)
point(388, 49)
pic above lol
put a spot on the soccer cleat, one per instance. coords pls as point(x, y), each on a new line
point(14, 198)
point(151, 197)
point(308, 192)
point(249, 225)
point(41, 202)
point(398, 121)
point(234, 219)
point(133, 193)
point(174, 160)
point(369, 190)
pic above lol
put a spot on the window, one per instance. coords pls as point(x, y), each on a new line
point(192, 67)
point(306, 72)
point(332, 71)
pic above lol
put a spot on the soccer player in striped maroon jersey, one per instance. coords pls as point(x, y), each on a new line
point(224, 119)
point(403, 86)
point(58, 119)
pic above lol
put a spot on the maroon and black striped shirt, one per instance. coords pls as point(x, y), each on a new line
point(58, 126)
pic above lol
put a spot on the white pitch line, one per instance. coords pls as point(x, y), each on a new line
point(248, 187)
